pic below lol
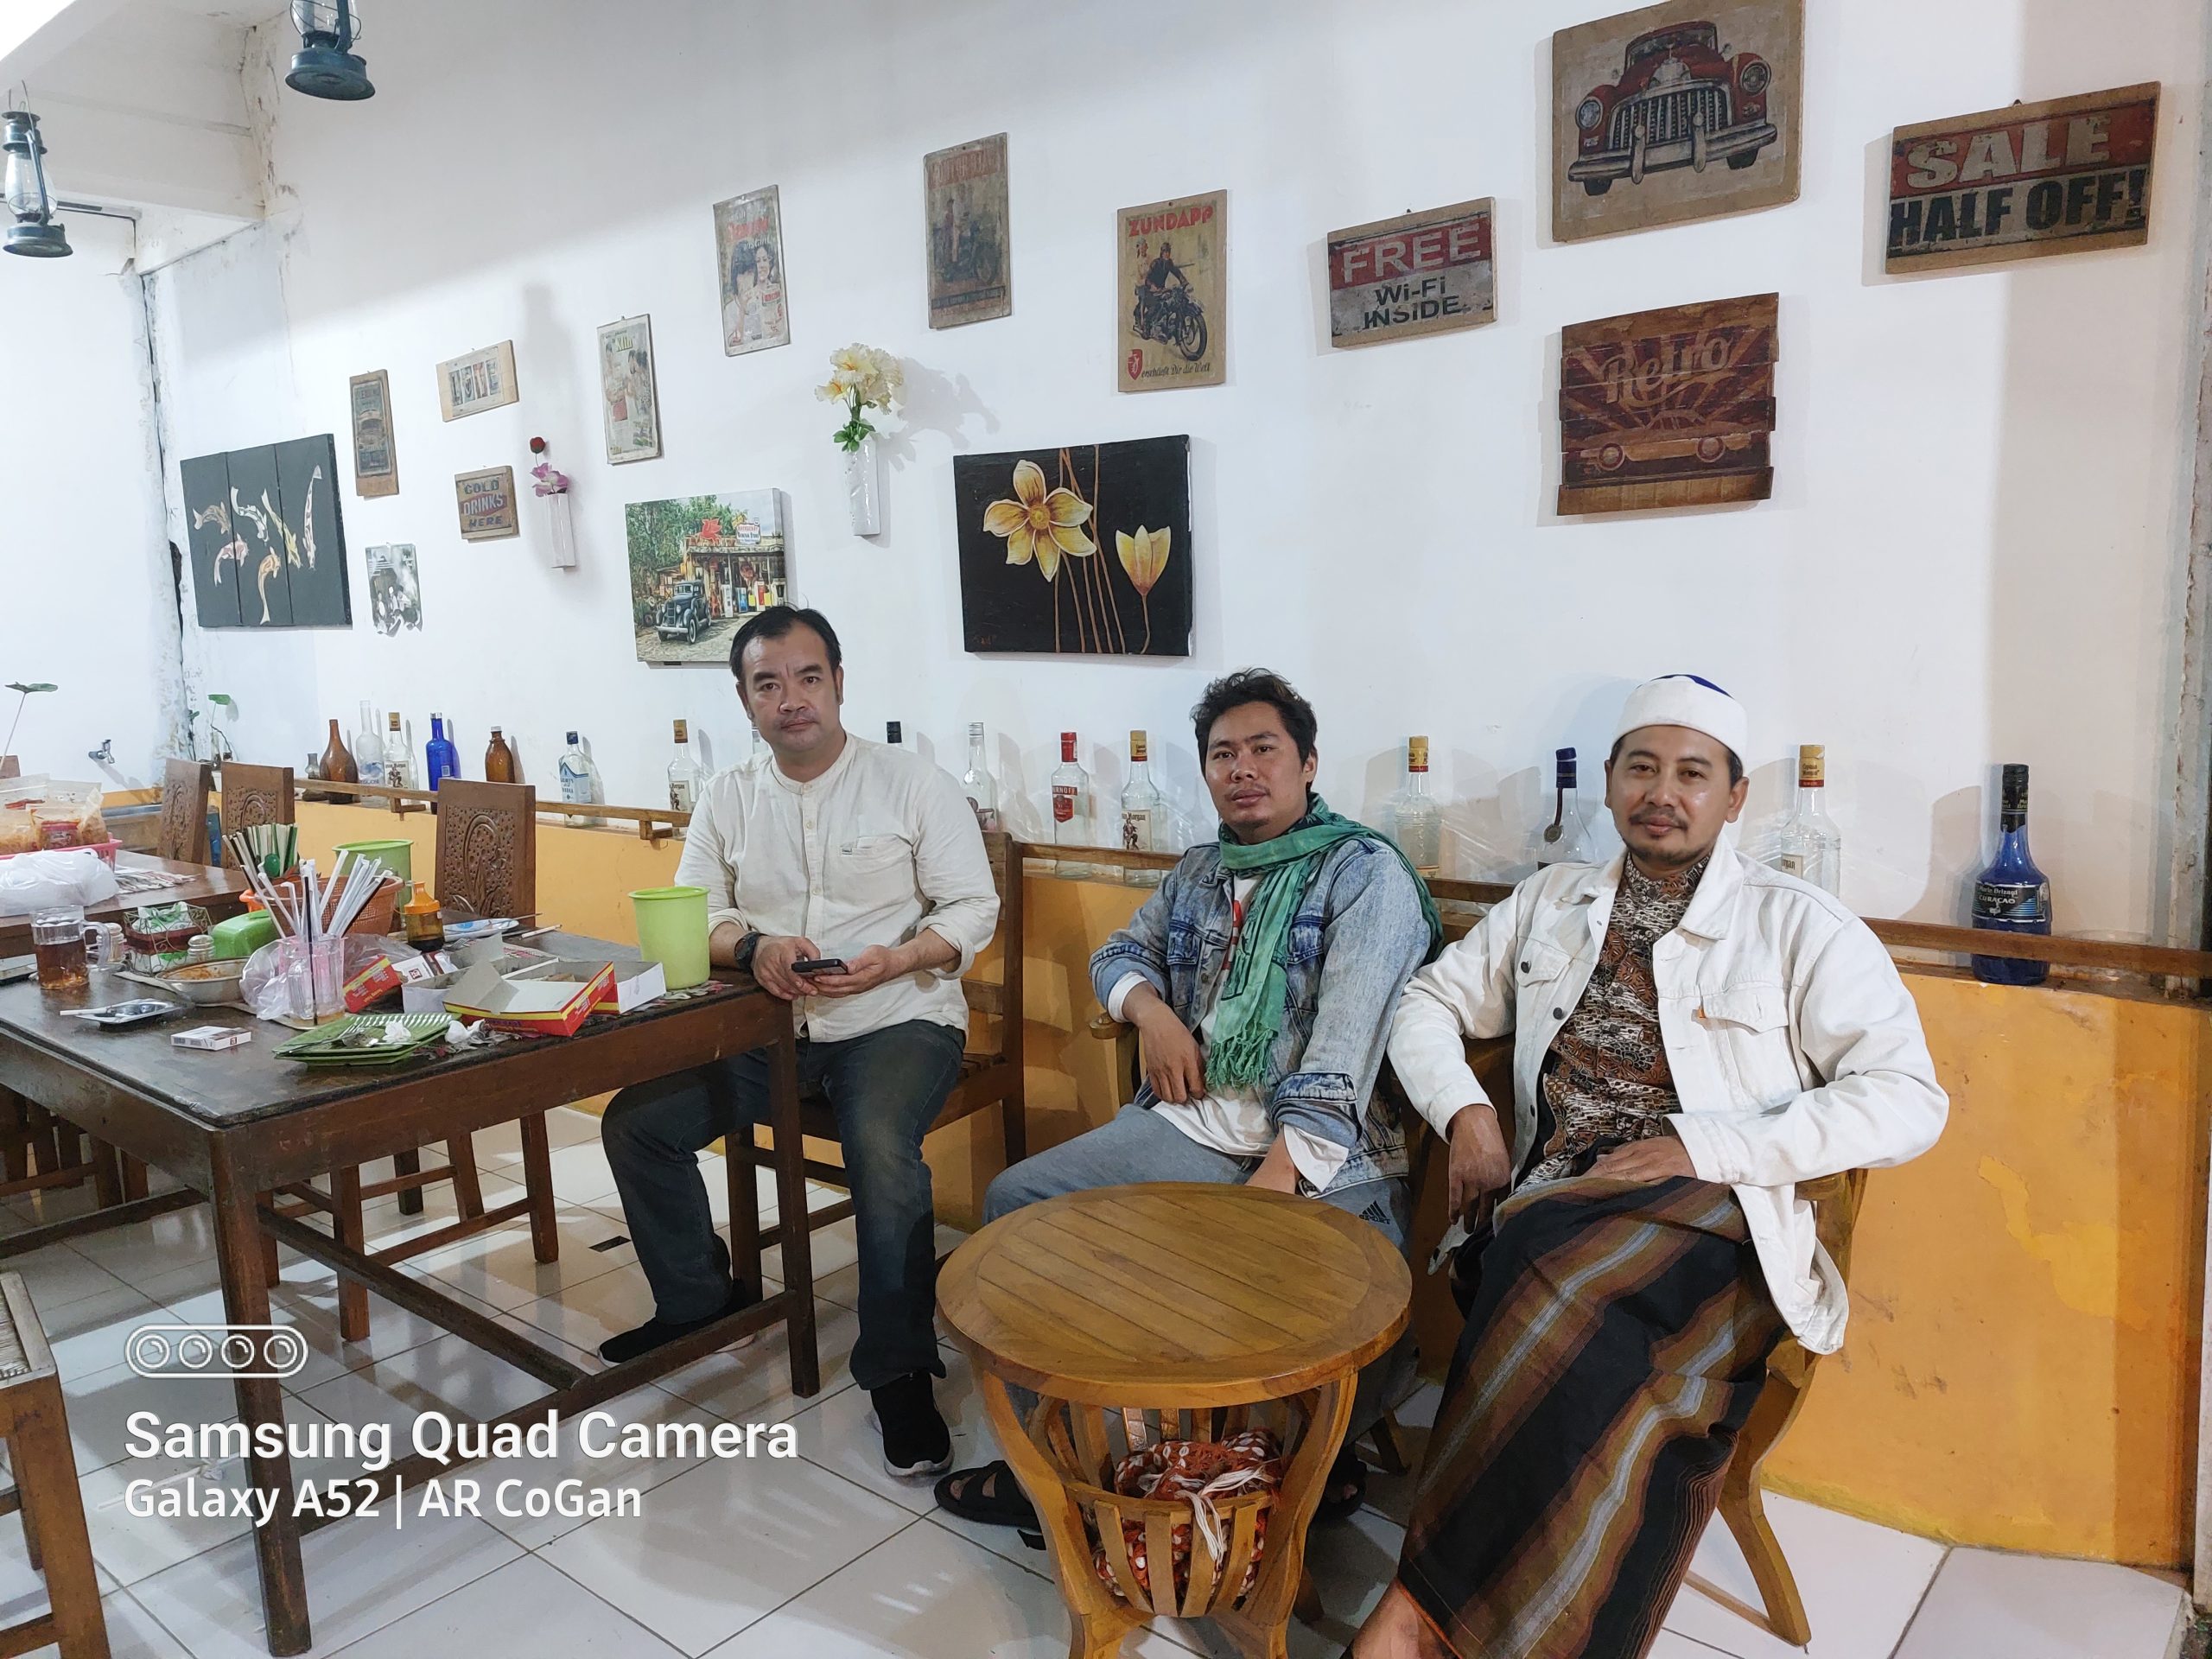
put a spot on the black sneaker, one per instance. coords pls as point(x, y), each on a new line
point(658, 1333)
point(916, 1442)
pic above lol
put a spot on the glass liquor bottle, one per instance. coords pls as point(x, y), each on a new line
point(682, 775)
point(441, 760)
point(499, 760)
point(1809, 845)
point(2013, 895)
point(579, 781)
point(337, 761)
point(980, 788)
point(1567, 837)
point(1071, 798)
point(368, 748)
point(398, 765)
point(1415, 820)
point(1142, 805)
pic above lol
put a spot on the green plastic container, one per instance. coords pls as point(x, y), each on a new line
point(398, 856)
point(672, 931)
point(238, 937)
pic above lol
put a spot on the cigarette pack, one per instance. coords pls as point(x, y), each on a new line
point(210, 1037)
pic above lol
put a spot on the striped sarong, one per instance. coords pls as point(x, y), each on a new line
point(1617, 1341)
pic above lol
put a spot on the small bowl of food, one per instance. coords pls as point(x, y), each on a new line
point(206, 984)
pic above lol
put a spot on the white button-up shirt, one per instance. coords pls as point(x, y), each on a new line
point(1796, 1049)
point(880, 846)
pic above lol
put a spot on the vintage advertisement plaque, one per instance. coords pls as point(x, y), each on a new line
point(2060, 177)
point(482, 380)
point(963, 202)
point(1420, 274)
point(1173, 293)
point(1668, 409)
point(1684, 111)
point(376, 462)
point(486, 501)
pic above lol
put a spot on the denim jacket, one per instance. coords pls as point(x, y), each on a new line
point(1357, 935)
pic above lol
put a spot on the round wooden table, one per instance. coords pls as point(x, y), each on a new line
point(1175, 1312)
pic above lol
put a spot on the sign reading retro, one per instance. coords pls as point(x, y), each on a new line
point(2059, 177)
point(1668, 409)
point(1418, 274)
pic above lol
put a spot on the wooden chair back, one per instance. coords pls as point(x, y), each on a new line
point(183, 831)
point(487, 847)
point(35, 1426)
point(253, 795)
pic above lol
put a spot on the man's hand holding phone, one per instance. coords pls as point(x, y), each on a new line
point(775, 961)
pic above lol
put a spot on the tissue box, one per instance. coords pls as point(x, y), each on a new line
point(551, 998)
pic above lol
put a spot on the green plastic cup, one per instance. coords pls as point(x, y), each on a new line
point(672, 931)
point(398, 856)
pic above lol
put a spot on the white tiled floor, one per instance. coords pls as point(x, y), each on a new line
point(821, 1557)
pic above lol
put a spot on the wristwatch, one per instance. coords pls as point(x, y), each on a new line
point(746, 948)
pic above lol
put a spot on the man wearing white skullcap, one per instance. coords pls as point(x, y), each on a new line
point(1695, 1034)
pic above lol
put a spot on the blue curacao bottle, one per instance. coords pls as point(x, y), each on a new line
point(2013, 896)
point(444, 761)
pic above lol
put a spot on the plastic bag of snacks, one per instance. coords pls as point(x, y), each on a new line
point(1202, 1472)
point(18, 831)
point(37, 814)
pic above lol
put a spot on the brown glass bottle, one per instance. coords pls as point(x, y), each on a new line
point(499, 760)
point(338, 760)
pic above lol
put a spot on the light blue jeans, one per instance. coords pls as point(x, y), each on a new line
point(1139, 1145)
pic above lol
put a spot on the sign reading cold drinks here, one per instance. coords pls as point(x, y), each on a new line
point(1420, 274)
point(2059, 177)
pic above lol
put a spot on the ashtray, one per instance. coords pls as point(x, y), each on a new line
point(136, 1012)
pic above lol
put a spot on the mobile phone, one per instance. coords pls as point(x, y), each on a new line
point(819, 965)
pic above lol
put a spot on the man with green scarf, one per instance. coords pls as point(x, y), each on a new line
point(1261, 976)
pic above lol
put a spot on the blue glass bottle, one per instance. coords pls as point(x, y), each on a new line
point(2013, 896)
point(444, 761)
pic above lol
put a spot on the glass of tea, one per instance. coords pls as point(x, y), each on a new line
point(58, 940)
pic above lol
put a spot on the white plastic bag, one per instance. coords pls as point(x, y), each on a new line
point(39, 880)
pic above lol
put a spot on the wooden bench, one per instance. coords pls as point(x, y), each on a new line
point(36, 1426)
point(990, 1075)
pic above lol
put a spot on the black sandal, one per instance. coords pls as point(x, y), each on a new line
point(1347, 1472)
point(990, 1496)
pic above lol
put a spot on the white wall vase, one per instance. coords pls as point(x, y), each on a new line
point(561, 551)
point(864, 486)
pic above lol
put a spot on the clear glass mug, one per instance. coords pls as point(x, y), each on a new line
point(68, 947)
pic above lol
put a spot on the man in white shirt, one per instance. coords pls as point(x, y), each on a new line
point(849, 878)
point(1694, 1034)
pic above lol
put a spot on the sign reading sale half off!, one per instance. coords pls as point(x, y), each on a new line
point(2061, 177)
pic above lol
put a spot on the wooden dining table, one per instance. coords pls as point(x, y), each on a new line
point(232, 1124)
point(221, 891)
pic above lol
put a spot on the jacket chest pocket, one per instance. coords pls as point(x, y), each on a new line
point(1540, 973)
point(1749, 1028)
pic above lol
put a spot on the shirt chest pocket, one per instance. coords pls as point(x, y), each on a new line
point(872, 871)
point(1749, 1028)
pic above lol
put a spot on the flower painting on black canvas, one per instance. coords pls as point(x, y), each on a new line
point(1080, 550)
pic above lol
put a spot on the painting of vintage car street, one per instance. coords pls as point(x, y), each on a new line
point(1689, 109)
point(699, 566)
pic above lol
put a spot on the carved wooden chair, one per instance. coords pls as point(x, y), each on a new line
point(990, 1075)
point(183, 832)
point(35, 1424)
point(486, 862)
point(251, 794)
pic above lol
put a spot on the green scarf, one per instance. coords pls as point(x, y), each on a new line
point(1257, 993)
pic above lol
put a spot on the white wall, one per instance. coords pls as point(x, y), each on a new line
point(1970, 555)
point(87, 601)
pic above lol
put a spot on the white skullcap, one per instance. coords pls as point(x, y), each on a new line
point(1686, 700)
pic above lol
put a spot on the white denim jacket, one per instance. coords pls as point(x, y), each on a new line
point(1796, 1049)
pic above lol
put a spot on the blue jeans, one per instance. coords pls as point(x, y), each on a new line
point(886, 1088)
point(1140, 1144)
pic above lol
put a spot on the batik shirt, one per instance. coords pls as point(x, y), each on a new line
point(1606, 1081)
